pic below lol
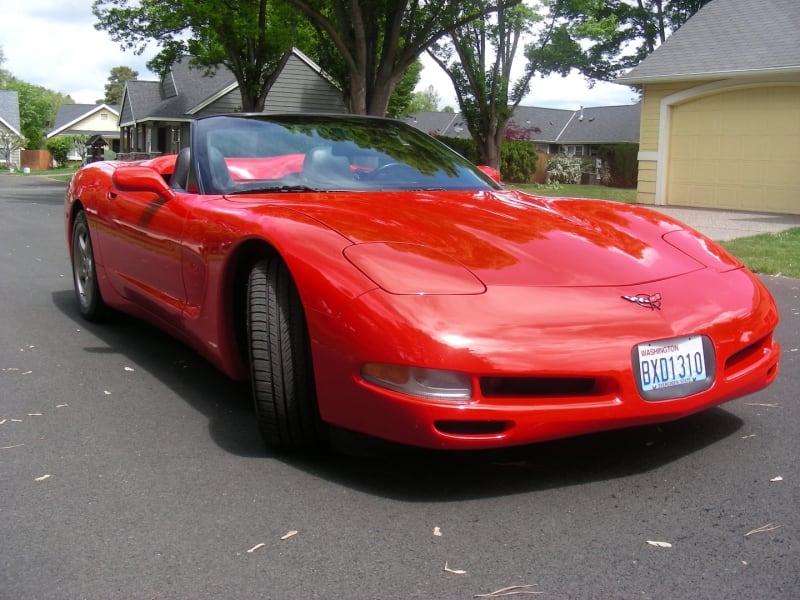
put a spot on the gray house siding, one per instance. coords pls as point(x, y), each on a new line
point(10, 122)
point(229, 103)
point(126, 114)
point(300, 88)
point(139, 94)
point(155, 115)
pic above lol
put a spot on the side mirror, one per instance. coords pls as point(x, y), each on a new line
point(135, 178)
point(491, 172)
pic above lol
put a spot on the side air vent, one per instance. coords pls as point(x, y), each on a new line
point(748, 355)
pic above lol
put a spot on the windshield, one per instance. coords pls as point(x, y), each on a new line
point(288, 153)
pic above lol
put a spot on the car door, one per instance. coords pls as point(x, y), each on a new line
point(142, 250)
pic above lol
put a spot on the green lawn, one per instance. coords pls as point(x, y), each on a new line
point(599, 192)
point(57, 174)
point(769, 253)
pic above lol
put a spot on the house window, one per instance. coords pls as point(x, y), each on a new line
point(573, 150)
point(103, 116)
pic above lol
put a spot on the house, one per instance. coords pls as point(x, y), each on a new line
point(155, 115)
point(579, 132)
point(720, 122)
point(10, 128)
point(95, 124)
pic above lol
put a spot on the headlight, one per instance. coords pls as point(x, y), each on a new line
point(401, 268)
point(435, 384)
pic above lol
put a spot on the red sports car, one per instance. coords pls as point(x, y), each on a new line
point(363, 276)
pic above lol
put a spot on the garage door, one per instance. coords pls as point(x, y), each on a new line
point(737, 150)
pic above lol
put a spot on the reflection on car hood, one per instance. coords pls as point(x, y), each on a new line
point(510, 238)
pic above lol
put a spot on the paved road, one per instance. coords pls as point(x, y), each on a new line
point(129, 469)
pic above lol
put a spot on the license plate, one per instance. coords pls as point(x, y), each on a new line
point(673, 368)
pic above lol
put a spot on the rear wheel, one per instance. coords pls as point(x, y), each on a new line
point(84, 272)
point(280, 360)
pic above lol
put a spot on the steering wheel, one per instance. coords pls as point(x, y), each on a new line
point(391, 170)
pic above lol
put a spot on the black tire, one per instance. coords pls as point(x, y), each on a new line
point(282, 376)
point(84, 272)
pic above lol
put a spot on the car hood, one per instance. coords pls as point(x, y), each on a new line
point(511, 238)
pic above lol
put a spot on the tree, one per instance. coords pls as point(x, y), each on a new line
point(4, 75)
point(59, 148)
point(478, 57)
point(38, 108)
point(607, 37)
point(378, 40)
point(79, 144)
point(426, 100)
point(249, 37)
point(10, 143)
point(677, 12)
point(403, 96)
point(116, 83)
point(598, 38)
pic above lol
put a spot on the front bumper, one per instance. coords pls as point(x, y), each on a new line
point(545, 362)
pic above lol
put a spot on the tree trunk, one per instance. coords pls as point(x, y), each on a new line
point(379, 102)
point(490, 153)
point(489, 145)
point(358, 94)
point(249, 104)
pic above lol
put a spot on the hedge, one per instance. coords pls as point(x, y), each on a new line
point(517, 158)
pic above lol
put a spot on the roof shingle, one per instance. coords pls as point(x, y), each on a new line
point(727, 37)
point(594, 125)
point(9, 109)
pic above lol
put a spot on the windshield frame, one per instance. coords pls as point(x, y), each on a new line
point(278, 153)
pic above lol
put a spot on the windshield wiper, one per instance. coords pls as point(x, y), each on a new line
point(275, 188)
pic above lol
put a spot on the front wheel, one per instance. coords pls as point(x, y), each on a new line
point(282, 376)
point(84, 271)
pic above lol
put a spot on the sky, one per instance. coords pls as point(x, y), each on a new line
point(53, 43)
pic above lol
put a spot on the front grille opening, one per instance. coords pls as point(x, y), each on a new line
point(746, 355)
point(472, 427)
point(540, 387)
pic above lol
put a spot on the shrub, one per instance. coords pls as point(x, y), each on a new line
point(563, 168)
point(517, 158)
point(623, 164)
point(59, 147)
point(518, 161)
point(464, 146)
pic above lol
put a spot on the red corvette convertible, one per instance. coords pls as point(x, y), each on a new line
point(363, 276)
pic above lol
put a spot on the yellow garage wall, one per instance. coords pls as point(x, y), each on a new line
point(650, 122)
point(646, 187)
point(737, 149)
point(649, 127)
